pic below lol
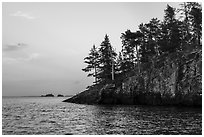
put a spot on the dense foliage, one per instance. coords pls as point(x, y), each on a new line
point(180, 32)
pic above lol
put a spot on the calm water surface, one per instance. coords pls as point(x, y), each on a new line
point(37, 115)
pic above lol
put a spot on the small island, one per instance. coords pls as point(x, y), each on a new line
point(47, 95)
point(60, 95)
point(160, 64)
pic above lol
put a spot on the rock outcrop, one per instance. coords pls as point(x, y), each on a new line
point(172, 81)
point(47, 95)
point(60, 95)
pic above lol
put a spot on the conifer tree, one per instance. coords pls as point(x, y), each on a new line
point(93, 63)
point(171, 36)
point(119, 63)
point(185, 25)
point(196, 20)
point(151, 35)
point(128, 50)
point(107, 61)
point(131, 44)
point(191, 27)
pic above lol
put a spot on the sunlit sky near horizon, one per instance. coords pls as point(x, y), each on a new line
point(44, 44)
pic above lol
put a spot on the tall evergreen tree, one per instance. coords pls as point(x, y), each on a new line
point(185, 26)
point(191, 28)
point(154, 32)
point(151, 35)
point(171, 36)
point(144, 48)
point(137, 43)
point(128, 50)
point(93, 63)
point(107, 60)
point(119, 63)
point(196, 19)
point(131, 44)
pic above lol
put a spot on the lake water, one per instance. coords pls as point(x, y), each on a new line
point(37, 115)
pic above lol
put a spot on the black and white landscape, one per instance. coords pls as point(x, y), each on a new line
point(102, 68)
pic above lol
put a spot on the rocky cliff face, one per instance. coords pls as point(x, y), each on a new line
point(190, 80)
point(170, 83)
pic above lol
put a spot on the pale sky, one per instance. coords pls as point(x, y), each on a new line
point(44, 44)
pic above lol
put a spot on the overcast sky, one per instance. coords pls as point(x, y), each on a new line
point(44, 44)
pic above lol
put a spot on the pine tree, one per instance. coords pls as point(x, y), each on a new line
point(154, 32)
point(196, 20)
point(128, 50)
point(170, 33)
point(93, 63)
point(191, 27)
point(185, 25)
point(107, 61)
point(144, 48)
point(151, 35)
point(131, 44)
point(138, 43)
point(119, 63)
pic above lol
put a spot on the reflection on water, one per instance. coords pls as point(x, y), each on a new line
point(51, 116)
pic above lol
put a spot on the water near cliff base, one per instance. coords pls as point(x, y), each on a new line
point(37, 115)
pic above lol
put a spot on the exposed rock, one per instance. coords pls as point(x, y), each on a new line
point(90, 96)
point(168, 82)
point(47, 95)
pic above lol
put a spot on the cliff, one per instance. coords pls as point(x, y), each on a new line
point(170, 80)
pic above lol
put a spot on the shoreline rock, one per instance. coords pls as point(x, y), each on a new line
point(175, 84)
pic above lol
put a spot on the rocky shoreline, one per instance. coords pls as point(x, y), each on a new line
point(170, 84)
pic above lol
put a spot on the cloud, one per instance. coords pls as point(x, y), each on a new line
point(29, 57)
point(22, 14)
point(13, 47)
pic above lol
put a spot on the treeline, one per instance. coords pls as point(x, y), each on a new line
point(178, 33)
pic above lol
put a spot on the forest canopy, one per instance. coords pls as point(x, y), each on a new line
point(180, 32)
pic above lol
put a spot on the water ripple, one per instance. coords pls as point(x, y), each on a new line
point(50, 116)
